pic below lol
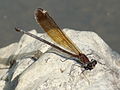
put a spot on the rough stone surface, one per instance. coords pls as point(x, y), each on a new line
point(36, 67)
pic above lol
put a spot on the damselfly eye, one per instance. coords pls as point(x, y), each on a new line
point(90, 65)
point(94, 62)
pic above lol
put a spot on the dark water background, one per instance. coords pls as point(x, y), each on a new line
point(100, 16)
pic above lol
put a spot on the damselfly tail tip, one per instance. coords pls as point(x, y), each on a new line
point(17, 29)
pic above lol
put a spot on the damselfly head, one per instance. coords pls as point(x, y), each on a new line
point(90, 65)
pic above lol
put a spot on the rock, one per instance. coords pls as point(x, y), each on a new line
point(38, 68)
point(5, 54)
point(4, 57)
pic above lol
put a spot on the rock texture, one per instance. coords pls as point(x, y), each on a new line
point(35, 66)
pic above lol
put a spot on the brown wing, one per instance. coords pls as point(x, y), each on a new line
point(52, 29)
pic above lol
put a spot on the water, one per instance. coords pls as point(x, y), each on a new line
point(100, 16)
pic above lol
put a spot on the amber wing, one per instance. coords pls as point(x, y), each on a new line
point(52, 29)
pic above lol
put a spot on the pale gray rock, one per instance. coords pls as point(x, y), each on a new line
point(39, 67)
point(5, 54)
